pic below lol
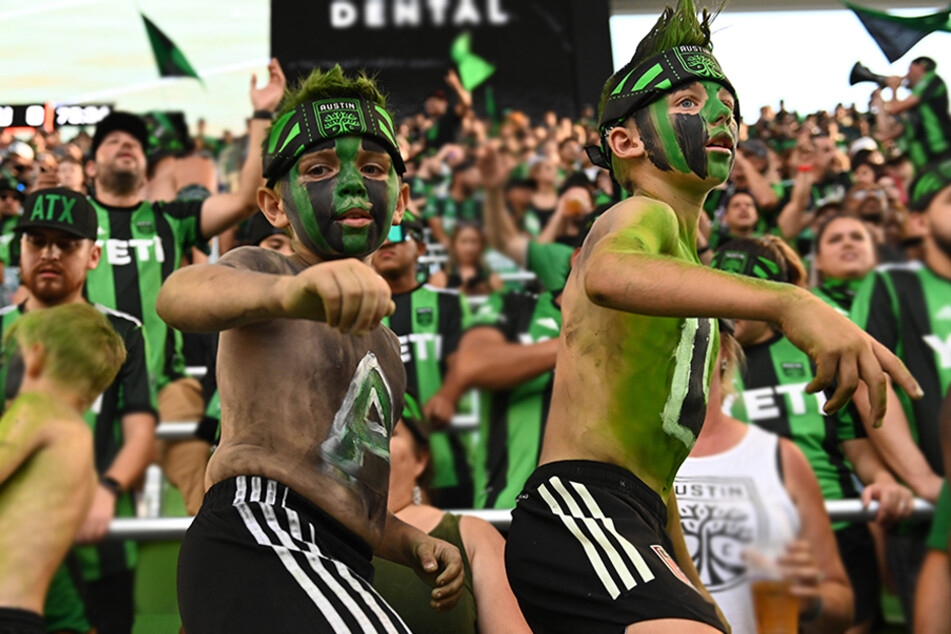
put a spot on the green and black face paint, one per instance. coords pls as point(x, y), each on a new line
point(315, 208)
point(644, 87)
point(679, 141)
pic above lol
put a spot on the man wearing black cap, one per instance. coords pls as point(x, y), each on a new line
point(907, 307)
point(143, 242)
point(58, 231)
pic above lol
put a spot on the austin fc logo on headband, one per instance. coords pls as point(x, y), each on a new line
point(337, 118)
point(699, 61)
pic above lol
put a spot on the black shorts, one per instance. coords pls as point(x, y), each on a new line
point(15, 621)
point(261, 558)
point(858, 557)
point(587, 551)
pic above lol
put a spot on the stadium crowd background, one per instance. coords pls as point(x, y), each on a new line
point(792, 170)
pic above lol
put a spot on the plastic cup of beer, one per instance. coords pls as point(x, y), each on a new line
point(574, 206)
point(775, 607)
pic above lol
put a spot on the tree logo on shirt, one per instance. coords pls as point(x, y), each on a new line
point(424, 316)
point(721, 517)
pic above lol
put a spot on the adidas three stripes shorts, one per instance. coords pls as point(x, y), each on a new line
point(261, 558)
point(588, 552)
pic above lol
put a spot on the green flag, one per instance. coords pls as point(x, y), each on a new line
point(473, 70)
point(169, 58)
point(896, 35)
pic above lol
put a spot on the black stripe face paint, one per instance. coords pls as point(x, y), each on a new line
point(692, 137)
point(347, 214)
point(648, 133)
point(678, 141)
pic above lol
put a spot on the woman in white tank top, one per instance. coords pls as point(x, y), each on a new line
point(743, 487)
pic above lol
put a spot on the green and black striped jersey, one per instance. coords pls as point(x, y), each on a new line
point(130, 392)
point(908, 308)
point(141, 247)
point(9, 250)
point(428, 322)
point(512, 422)
point(771, 393)
point(839, 294)
point(927, 133)
point(452, 211)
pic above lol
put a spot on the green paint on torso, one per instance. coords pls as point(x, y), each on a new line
point(655, 371)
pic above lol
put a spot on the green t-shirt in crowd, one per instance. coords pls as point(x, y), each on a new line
point(428, 322)
point(8, 248)
point(512, 422)
point(926, 136)
point(907, 307)
point(551, 262)
point(141, 247)
point(452, 211)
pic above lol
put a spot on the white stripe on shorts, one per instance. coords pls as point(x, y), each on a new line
point(373, 600)
point(286, 558)
point(595, 529)
point(317, 566)
point(590, 550)
point(629, 549)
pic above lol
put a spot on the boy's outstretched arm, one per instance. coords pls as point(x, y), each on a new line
point(626, 268)
point(347, 294)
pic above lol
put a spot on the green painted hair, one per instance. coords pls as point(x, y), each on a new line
point(83, 352)
point(674, 27)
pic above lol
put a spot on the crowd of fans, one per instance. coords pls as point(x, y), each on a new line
point(498, 208)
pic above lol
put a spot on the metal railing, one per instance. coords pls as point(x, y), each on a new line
point(173, 528)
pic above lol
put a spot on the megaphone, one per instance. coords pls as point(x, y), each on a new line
point(861, 73)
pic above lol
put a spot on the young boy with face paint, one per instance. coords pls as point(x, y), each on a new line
point(310, 388)
point(595, 538)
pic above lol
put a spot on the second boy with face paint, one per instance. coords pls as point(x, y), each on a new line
point(310, 388)
point(595, 537)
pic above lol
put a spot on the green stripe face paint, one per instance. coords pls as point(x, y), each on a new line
point(679, 141)
point(347, 214)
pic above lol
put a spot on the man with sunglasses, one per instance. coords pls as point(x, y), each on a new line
point(57, 243)
point(428, 322)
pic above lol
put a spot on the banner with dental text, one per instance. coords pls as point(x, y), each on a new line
point(546, 54)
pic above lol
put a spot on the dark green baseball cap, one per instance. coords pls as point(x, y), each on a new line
point(59, 208)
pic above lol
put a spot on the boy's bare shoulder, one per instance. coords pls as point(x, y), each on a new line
point(31, 416)
point(637, 215)
point(257, 259)
point(640, 209)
